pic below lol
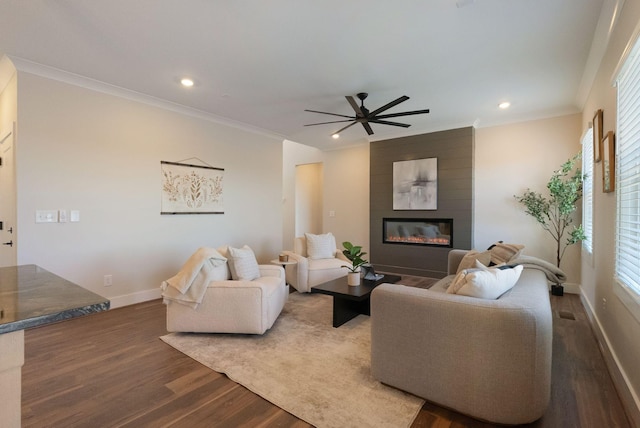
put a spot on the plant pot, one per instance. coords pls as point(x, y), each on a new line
point(353, 278)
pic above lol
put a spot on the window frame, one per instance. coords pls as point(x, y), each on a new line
point(588, 194)
point(628, 294)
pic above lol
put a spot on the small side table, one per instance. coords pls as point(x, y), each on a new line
point(284, 266)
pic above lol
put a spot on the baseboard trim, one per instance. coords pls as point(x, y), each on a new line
point(628, 396)
point(133, 298)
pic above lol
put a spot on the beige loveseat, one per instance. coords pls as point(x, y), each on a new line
point(489, 359)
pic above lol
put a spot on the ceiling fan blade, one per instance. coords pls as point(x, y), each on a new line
point(386, 122)
point(389, 105)
point(405, 113)
point(333, 121)
point(332, 114)
point(367, 128)
point(342, 129)
point(354, 106)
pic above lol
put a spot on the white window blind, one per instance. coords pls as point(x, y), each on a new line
point(627, 268)
point(587, 189)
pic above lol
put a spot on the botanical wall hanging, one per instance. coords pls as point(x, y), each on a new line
point(415, 184)
point(191, 189)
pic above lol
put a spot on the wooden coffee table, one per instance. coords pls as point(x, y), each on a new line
point(350, 301)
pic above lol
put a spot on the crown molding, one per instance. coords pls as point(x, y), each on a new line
point(26, 66)
point(609, 14)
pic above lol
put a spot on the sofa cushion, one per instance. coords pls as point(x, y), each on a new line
point(502, 253)
point(469, 259)
point(320, 246)
point(243, 264)
point(488, 283)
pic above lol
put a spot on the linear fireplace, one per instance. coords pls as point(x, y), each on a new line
point(418, 231)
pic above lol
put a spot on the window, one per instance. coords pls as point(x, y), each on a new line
point(627, 268)
point(587, 190)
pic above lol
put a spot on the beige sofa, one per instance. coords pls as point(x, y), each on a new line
point(489, 359)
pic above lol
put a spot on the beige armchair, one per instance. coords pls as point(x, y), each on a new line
point(313, 268)
point(231, 305)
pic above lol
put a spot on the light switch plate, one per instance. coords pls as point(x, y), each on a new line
point(74, 215)
point(46, 216)
point(62, 216)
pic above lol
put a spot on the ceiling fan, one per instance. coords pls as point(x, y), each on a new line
point(364, 116)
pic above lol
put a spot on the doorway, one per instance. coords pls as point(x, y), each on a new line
point(308, 199)
point(7, 198)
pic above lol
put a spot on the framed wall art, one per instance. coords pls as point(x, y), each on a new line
point(415, 184)
point(609, 163)
point(597, 136)
point(191, 189)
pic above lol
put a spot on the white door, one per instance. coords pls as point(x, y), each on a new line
point(7, 198)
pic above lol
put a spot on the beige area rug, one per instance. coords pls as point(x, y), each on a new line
point(305, 366)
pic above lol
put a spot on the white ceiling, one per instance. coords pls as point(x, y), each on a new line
point(261, 63)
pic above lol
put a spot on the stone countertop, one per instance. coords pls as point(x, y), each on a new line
point(31, 296)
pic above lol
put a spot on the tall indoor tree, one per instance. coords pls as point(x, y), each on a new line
point(555, 213)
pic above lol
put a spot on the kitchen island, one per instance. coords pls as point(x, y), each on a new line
point(31, 296)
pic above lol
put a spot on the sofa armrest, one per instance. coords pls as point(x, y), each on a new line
point(298, 274)
point(339, 255)
point(453, 260)
point(271, 270)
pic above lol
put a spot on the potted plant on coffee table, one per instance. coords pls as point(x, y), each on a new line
point(354, 253)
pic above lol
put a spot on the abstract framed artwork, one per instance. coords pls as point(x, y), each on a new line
point(191, 189)
point(609, 163)
point(597, 136)
point(415, 184)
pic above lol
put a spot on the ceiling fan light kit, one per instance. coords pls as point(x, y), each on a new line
point(364, 116)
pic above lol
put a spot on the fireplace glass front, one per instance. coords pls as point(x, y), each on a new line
point(411, 231)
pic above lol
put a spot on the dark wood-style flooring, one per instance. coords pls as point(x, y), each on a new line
point(111, 370)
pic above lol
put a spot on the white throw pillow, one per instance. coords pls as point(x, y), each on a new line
point(243, 264)
point(485, 284)
point(321, 246)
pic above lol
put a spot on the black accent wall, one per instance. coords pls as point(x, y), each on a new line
point(454, 150)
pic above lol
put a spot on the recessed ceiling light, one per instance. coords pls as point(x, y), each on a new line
point(504, 105)
point(187, 82)
point(335, 136)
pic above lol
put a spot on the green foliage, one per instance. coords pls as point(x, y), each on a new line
point(555, 212)
point(354, 254)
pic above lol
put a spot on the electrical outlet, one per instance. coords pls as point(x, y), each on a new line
point(108, 280)
point(62, 216)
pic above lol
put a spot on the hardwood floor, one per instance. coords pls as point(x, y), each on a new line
point(111, 370)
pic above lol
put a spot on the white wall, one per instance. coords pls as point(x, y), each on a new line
point(615, 325)
point(345, 178)
point(100, 154)
point(346, 192)
point(308, 198)
point(508, 160)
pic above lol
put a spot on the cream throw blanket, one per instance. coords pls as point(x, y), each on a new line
point(189, 285)
point(553, 273)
